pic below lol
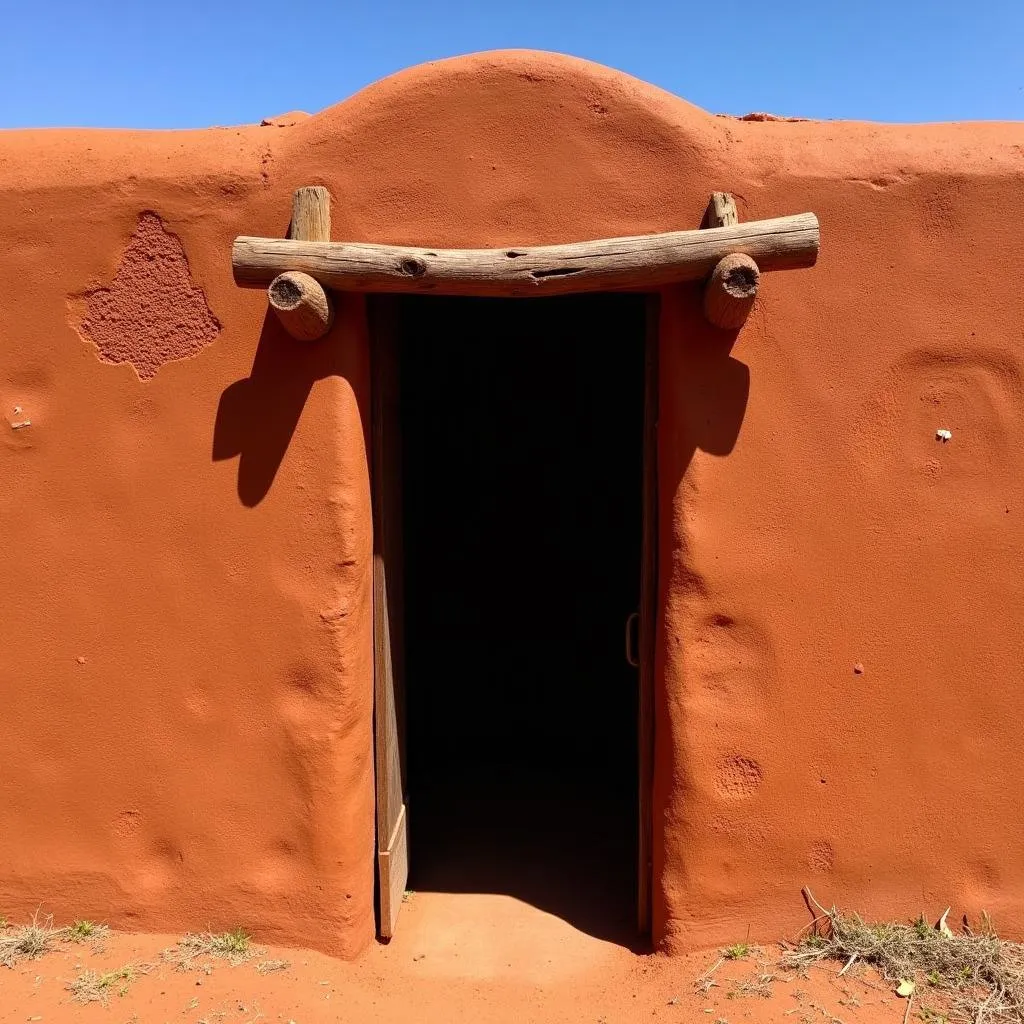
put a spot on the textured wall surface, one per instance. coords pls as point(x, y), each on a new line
point(186, 640)
point(152, 313)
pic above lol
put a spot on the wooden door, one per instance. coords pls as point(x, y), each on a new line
point(648, 616)
point(388, 649)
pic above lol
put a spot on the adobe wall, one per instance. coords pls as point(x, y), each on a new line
point(186, 637)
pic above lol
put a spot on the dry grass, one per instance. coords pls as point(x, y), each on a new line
point(980, 975)
point(706, 981)
point(96, 987)
point(27, 941)
point(84, 931)
point(738, 951)
point(269, 966)
point(234, 946)
point(758, 984)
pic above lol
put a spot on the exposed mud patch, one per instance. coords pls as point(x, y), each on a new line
point(128, 824)
point(152, 312)
point(822, 856)
point(739, 777)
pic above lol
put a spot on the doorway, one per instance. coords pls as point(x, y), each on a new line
point(517, 503)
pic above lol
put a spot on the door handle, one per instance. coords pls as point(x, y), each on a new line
point(632, 629)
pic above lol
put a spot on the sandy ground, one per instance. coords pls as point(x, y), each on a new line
point(475, 958)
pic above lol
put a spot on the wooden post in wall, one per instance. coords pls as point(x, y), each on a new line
point(300, 302)
point(721, 211)
point(311, 214)
point(730, 291)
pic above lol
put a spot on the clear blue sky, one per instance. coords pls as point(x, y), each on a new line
point(183, 63)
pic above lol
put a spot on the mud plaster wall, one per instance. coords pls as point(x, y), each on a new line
point(186, 636)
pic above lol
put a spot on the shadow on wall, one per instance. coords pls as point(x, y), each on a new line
point(257, 416)
point(706, 387)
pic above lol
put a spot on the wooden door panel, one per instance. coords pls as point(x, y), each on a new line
point(388, 634)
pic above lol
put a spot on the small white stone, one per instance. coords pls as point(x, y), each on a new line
point(943, 435)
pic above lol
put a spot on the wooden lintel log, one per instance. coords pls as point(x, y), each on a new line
point(730, 292)
point(301, 305)
point(636, 262)
point(300, 302)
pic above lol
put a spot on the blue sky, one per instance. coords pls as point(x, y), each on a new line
point(182, 63)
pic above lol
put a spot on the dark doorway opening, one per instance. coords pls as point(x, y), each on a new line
point(522, 432)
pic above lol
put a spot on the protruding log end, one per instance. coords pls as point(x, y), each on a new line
point(721, 211)
point(730, 291)
point(301, 304)
point(311, 214)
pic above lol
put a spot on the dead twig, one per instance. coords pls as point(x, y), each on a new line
point(981, 975)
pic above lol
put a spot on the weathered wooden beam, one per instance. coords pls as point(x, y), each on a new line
point(635, 262)
point(300, 302)
point(730, 291)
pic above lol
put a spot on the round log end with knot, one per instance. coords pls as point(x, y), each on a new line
point(730, 291)
point(301, 304)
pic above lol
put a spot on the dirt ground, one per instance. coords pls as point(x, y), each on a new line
point(476, 958)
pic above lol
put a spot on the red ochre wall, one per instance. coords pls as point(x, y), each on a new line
point(186, 633)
